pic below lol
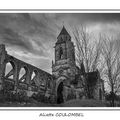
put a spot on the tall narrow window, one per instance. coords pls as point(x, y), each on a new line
point(60, 53)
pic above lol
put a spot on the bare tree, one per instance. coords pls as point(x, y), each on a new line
point(87, 49)
point(101, 54)
point(87, 53)
point(111, 62)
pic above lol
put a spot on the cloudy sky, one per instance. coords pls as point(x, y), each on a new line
point(31, 36)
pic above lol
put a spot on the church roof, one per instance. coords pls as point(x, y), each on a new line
point(63, 32)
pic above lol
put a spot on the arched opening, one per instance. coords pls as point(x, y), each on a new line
point(9, 70)
point(42, 82)
point(22, 74)
point(60, 93)
point(60, 53)
point(100, 94)
point(33, 77)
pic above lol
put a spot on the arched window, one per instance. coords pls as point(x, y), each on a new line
point(22, 74)
point(33, 77)
point(60, 53)
point(9, 70)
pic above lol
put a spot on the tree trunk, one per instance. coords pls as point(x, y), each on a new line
point(113, 96)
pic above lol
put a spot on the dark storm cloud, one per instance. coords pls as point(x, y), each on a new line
point(25, 15)
point(13, 38)
point(34, 34)
point(43, 26)
point(101, 17)
point(20, 29)
point(90, 17)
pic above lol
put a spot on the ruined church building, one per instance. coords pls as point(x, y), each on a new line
point(63, 84)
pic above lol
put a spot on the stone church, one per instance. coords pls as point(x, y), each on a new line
point(67, 81)
point(70, 80)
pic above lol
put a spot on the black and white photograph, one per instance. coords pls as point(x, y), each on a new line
point(59, 59)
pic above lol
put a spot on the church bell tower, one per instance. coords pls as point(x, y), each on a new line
point(64, 63)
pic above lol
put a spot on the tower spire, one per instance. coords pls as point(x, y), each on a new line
point(63, 32)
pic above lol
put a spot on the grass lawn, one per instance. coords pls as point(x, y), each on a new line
point(84, 103)
point(71, 103)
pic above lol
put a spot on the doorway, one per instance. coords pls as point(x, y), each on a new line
point(100, 94)
point(60, 93)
